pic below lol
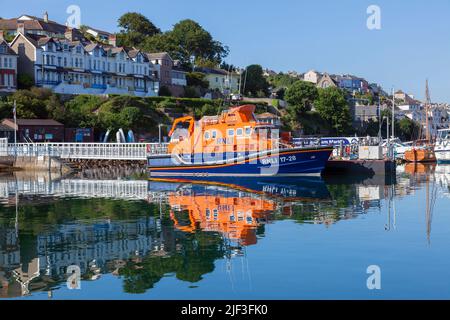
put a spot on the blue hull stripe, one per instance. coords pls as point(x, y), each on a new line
point(286, 163)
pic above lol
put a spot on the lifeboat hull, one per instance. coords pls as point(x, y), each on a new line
point(286, 162)
point(420, 155)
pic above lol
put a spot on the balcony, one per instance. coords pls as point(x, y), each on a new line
point(47, 82)
point(98, 86)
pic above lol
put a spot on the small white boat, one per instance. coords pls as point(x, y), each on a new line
point(442, 147)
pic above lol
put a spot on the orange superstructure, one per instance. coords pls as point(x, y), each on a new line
point(236, 217)
point(234, 130)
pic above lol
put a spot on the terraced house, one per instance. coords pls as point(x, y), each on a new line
point(72, 65)
point(8, 67)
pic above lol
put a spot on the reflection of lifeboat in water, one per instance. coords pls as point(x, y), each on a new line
point(233, 144)
point(419, 168)
point(233, 214)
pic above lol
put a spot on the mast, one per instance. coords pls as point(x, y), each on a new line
point(427, 102)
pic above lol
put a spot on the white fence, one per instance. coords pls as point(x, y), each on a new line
point(100, 151)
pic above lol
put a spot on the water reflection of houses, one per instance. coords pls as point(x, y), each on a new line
point(96, 247)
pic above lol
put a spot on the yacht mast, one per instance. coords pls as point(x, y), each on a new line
point(427, 102)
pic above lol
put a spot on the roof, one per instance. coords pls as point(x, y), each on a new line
point(99, 31)
point(8, 48)
point(34, 24)
point(5, 128)
point(158, 55)
point(213, 71)
point(33, 122)
point(266, 115)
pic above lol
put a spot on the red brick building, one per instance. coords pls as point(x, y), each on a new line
point(37, 130)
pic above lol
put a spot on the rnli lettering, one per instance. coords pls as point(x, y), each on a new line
point(269, 161)
point(224, 140)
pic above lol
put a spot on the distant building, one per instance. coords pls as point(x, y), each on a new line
point(178, 75)
point(8, 67)
point(404, 97)
point(326, 81)
point(362, 114)
point(7, 132)
point(312, 76)
point(163, 65)
point(268, 117)
point(221, 80)
point(33, 25)
point(36, 130)
point(352, 83)
point(99, 34)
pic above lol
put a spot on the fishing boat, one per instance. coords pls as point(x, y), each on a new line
point(442, 147)
point(425, 151)
point(235, 144)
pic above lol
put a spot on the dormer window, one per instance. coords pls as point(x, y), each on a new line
point(50, 46)
point(78, 50)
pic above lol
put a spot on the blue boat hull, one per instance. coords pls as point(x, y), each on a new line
point(287, 162)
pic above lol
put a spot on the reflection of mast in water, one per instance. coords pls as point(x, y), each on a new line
point(430, 203)
point(391, 207)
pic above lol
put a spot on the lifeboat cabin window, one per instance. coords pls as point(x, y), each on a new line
point(230, 132)
point(215, 214)
point(214, 134)
point(239, 132)
point(207, 135)
point(248, 131)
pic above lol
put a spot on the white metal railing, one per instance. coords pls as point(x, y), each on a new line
point(101, 151)
point(115, 189)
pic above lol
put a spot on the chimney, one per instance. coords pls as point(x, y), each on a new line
point(21, 28)
point(69, 34)
point(46, 16)
point(112, 40)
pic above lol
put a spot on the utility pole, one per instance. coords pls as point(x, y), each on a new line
point(393, 113)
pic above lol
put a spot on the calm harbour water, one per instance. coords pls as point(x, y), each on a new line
point(274, 239)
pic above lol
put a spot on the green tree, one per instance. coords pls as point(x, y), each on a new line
point(300, 97)
point(333, 108)
point(281, 80)
point(24, 81)
point(255, 81)
point(193, 41)
point(197, 79)
point(134, 29)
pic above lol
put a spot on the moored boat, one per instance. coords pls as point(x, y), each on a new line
point(233, 144)
point(442, 147)
point(420, 154)
point(425, 151)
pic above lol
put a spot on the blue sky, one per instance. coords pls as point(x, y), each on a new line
point(412, 45)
